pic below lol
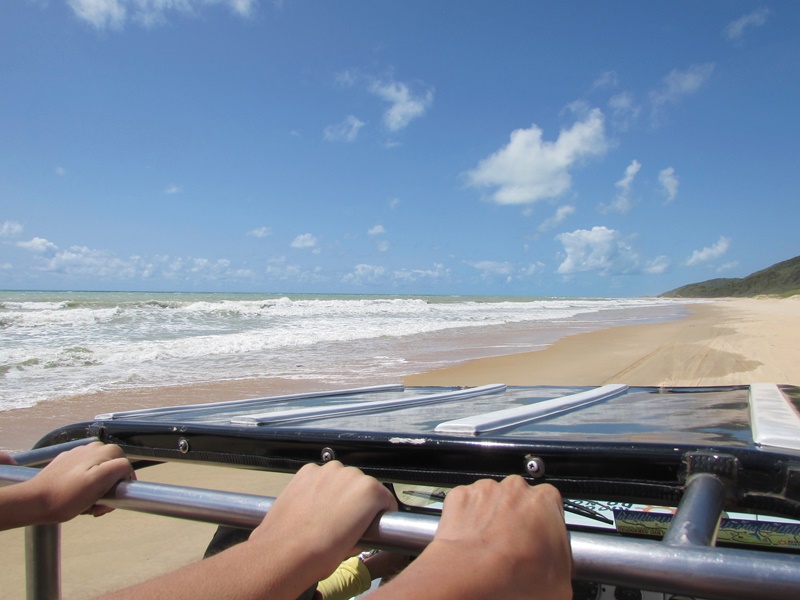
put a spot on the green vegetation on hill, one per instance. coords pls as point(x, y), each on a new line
point(781, 279)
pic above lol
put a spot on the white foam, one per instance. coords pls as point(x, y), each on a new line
point(56, 344)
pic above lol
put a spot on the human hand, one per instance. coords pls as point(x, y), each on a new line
point(495, 540)
point(322, 514)
point(75, 480)
point(520, 526)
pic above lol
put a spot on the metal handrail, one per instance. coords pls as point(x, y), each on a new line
point(695, 570)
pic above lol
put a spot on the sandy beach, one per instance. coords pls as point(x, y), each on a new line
point(723, 342)
point(726, 342)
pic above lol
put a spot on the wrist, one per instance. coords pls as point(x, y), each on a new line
point(22, 505)
point(37, 505)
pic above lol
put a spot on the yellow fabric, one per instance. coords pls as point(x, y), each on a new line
point(351, 578)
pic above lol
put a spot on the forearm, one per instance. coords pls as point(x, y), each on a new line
point(445, 572)
point(313, 525)
point(453, 572)
point(243, 572)
point(20, 506)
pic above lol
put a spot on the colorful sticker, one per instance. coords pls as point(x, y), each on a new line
point(732, 531)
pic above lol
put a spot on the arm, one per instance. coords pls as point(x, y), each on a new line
point(495, 540)
point(68, 486)
point(314, 524)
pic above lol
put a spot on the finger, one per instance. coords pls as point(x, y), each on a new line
point(98, 510)
point(113, 471)
point(106, 451)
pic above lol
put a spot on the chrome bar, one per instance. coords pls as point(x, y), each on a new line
point(700, 572)
point(40, 456)
point(396, 531)
point(42, 542)
point(392, 531)
point(697, 520)
point(43, 562)
point(730, 574)
point(223, 508)
point(13, 474)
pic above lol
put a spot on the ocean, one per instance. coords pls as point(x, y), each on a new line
point(55, 345)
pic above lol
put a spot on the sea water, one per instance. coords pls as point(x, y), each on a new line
point(59, 344)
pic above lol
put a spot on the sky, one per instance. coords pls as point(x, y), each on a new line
point(558, 148)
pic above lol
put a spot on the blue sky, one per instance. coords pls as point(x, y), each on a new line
point(524, 148)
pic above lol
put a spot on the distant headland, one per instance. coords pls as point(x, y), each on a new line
point(781, 279)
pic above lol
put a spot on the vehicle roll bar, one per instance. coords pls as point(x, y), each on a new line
point(682, 563)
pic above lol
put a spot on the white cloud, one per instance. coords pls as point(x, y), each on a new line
point(60, 171)
point(10, 229)
point(438, 272)
point(381, 245)
point(532, 269)
point(84, 261)
point(709, 253)
point(678, 84)
point(405, 106)
point(669, 181)
point(173, 189)
point(112, 14)
point(492, 268)
point(364, 273)
point(394, 203)
point(562, 212)
point(38, 245)
point(80, 260)
point(624, 111)
point(735, 30)
point(346, 131)
point(304, 240)
point(278, 268)
point(599, 249)
point(243, 8)
point(105, 264)
point(294, 273)
point(606, 80)
point(260, 232)
point(657, 266)
point(623, 202)
point(529, 169)
point(626, 182)
point(212, 268)
point(100, 13)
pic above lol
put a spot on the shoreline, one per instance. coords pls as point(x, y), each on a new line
point(721, 342)
point(725, 342)
point(21, 428)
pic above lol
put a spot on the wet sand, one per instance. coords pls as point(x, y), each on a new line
point(720, 343)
